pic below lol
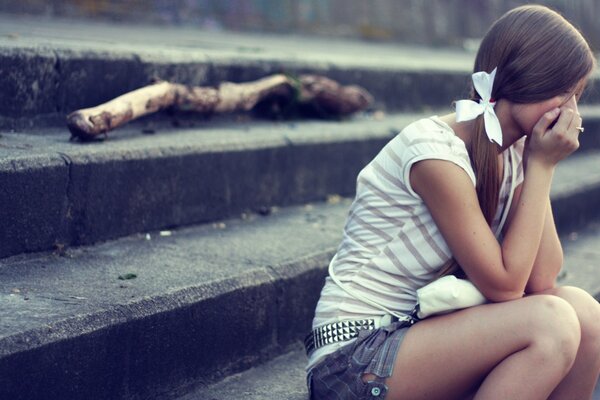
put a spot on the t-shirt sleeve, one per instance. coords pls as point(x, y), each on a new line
point(438, 145)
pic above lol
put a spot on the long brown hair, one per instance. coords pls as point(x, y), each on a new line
point(538, 55)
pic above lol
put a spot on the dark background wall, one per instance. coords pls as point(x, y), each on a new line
point(430, 22)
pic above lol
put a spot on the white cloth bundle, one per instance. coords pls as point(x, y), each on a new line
point(447, 294)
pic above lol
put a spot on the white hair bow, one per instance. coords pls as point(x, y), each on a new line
point(467, 110)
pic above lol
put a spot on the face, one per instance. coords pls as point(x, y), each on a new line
point(527, 115)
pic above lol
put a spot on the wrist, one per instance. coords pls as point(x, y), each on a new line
point(538, 176)
point(540, 163)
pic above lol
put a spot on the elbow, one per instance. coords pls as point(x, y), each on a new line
point(504, 291)
point(538, 285)
point(543, 277)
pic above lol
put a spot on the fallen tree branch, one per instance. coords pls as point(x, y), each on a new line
point(323, 95)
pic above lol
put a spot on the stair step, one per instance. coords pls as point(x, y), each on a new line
point(53, 67)
point(57, 193)
point(79, 64)
point(207, 301)
point(281, 378)
point(575, 191)
point(60, 193)
point(582, 259)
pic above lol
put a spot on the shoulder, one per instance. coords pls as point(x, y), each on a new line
point(431, 128)
point(430, 136)
point(424, 139)
point(431, 139)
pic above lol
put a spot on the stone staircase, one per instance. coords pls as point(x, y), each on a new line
point(185, 262)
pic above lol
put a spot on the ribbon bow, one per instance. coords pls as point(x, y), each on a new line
point(467, 110)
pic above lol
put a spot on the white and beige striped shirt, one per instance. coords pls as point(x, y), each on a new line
point(391, 245)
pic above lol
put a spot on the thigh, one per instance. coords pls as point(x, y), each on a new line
point(448, 356)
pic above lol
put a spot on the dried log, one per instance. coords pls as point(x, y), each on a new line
point(324, 94)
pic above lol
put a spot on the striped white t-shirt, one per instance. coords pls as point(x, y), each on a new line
point(391, 245)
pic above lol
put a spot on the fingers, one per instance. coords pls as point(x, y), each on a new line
point(555, 135)
point(570, 108)
point(572, 103)
point(565, 130)
point(575, 123)
point(565, 121)
point(573, 132)
point(544, 123)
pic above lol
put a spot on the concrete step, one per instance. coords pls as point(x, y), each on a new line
point(52, 67)
point(575, 191)
point(206, 302)
point(55, 193)
point(155, 315)
point(60, 193)
point(281, 378)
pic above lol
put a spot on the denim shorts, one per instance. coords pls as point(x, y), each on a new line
point(339, 375)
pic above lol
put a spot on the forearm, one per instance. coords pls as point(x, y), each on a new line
point(522, 241)
point(549, 259)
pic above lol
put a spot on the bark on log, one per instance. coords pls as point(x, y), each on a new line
point(320, 92)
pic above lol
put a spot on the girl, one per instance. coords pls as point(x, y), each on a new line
point(467, 193)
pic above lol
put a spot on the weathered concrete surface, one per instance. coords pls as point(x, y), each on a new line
point(280, 378)
point(29, 82)
point(192, 44)
point(84, 193)
point(575, 191)
point(34, 210)
point(431, 22)
point(86, 79)
point(582, 259)
point(55, 67)
point(206, 302)
point(177, 176)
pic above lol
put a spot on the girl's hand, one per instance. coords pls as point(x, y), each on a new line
point(550, 145)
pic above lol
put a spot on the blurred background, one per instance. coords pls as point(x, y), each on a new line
point(423, 22)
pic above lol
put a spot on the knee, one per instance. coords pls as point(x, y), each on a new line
point(555, 329)
point(588, 314)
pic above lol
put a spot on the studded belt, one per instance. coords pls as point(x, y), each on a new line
point(344, 330)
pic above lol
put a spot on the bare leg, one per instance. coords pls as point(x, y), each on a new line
point(582, 378)
point(520, 349)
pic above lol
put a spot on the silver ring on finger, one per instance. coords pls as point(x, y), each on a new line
point(580, 129)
